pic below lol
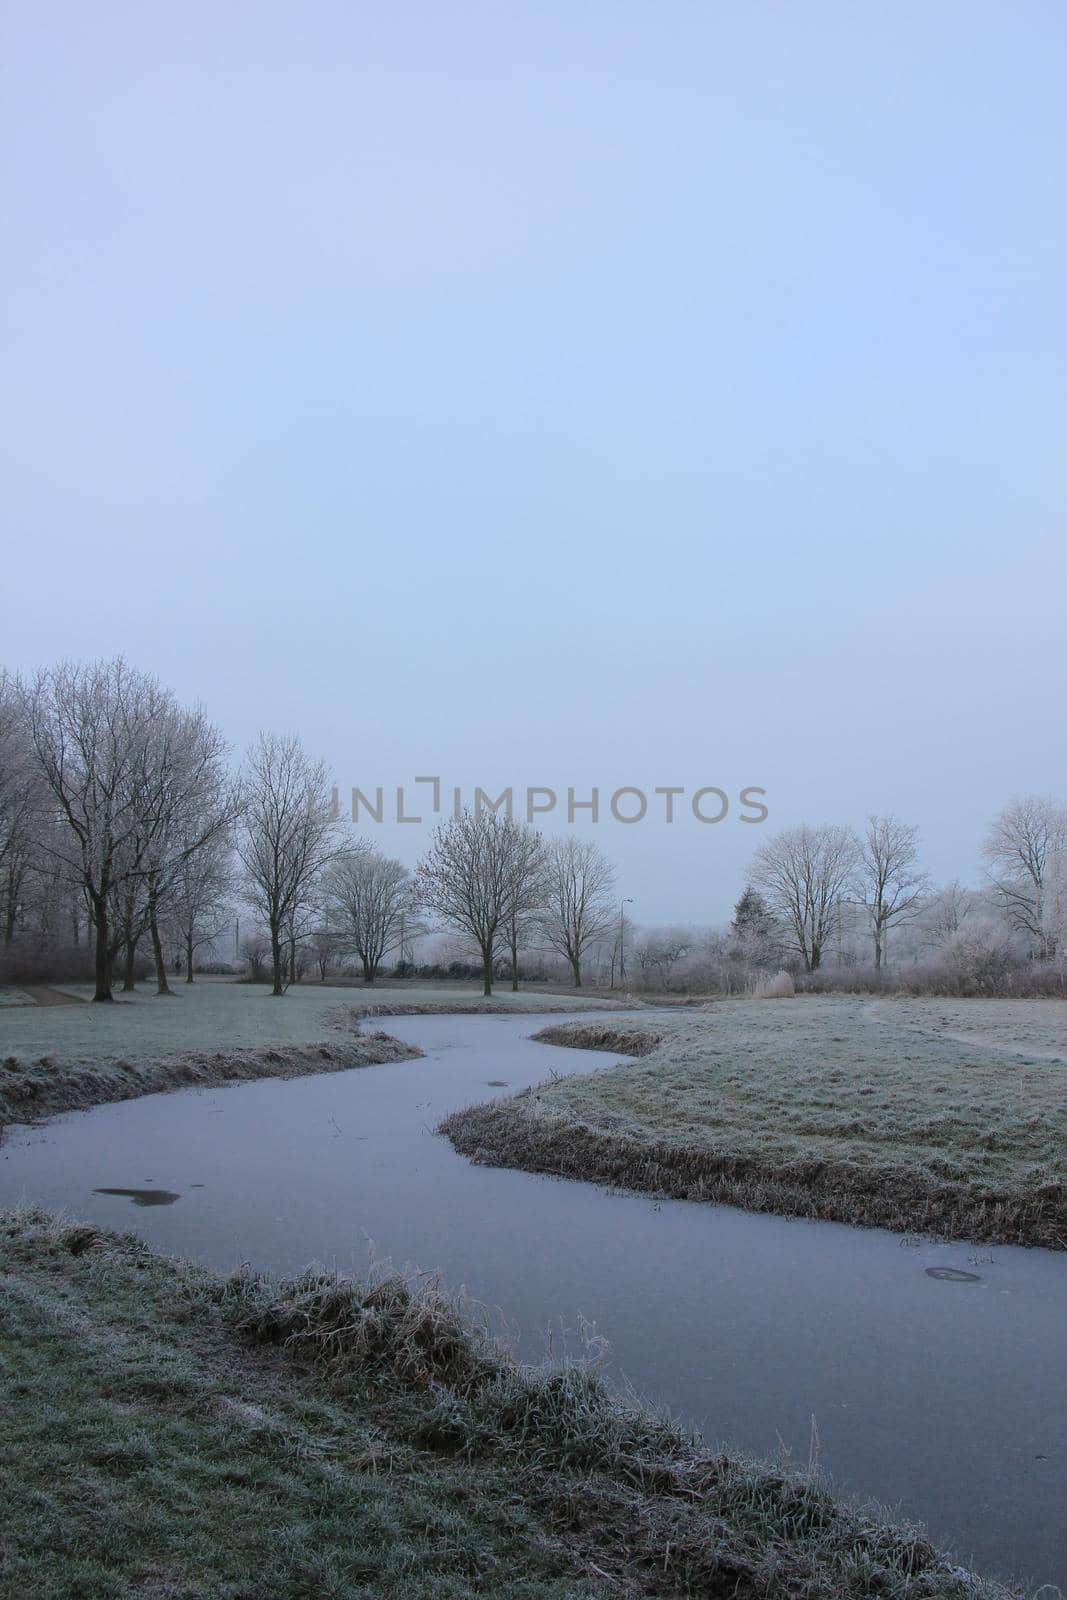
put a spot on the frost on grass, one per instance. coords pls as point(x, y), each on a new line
point(345, 1437)
point(906, 1114)
point(30, 1089)
point(207, 1016)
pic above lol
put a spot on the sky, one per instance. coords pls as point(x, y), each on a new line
point(563, 395)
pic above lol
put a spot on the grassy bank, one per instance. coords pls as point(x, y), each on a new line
point(172, 1433)
point(31, 1089)
point(68, 1057)
point(217, 1015)
point(949, 1117)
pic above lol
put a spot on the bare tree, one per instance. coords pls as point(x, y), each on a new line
point(581, 903)
point(471, 877)
point(370, 895)
point(287, 837)
point(891, 883)
point(90, 726)
point(944, 913)
point(805, 872)
point(660, 951)
point(1026, 851)
point(529, 897)
point(21, 807)
point(256, 951)
point(202, 891)
point(186, 802)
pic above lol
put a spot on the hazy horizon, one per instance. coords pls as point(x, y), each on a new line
point(628, 396)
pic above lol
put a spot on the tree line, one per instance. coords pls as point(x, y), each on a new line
point(123, 823)
point(127, 834)
point(806, 882)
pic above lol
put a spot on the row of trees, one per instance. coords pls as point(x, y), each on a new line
point(806, 884)
point(496, 881)
point(123, 826)
point(117, 811)
point(122, 820)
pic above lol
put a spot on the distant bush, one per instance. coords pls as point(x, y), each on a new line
point(34, 962)
point(961, 975)
point(780, 987)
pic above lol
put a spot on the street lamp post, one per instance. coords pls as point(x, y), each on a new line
point(622, 937)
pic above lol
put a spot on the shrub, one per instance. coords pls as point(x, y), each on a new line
point(778, 987)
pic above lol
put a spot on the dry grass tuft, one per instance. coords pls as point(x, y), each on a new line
point(416, 1335)
point(601, 1036)
point(778, 987)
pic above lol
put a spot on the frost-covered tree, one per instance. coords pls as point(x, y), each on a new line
point(368, 899)
point(805, 874)
point(190, 805)
point(661, 951)
point(755, 934)
point(90, 727)
point(472, 876)
point(891, 883)
point(581, 899)
point(287, 838)
point(531, 891)
point(201, 896)
point(1026, 854)
point(22, 811)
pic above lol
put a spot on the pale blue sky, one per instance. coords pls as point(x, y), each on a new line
point(603, 393)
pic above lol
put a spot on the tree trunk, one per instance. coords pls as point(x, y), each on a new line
point(369, 971)
point(162, 986)
point(189, 957)
point(877, 948)
point(487, 969)
point(10, 909)
point(514, 965)
point(276, 961)
point(103, 951)
point(576, 967)
point(129, 982)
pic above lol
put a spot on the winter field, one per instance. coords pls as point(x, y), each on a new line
point(912, 1114)
point(218, 1015)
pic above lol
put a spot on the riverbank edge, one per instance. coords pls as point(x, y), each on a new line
point(30, 1090)
point(38, 1087)
point(518, 1132)
point(421, 1400)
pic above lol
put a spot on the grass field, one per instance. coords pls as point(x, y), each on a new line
point(213, 1015)
point(66, 1057)
point(949, 1116)
point(172, 1435)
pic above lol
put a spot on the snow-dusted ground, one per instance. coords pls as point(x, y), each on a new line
point(945, 1395)
point(956, 1090)
point(210, 1015)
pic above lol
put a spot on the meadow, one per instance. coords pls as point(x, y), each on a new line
point(943, 1116)
point(65, 1057)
